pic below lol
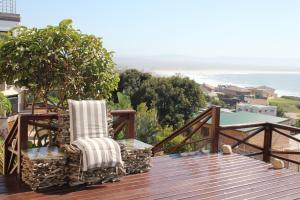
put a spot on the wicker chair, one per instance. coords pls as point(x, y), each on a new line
point(76, 175)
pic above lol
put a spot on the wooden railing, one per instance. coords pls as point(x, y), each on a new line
point(190, 133)
point(10, 152)
point(263, 136)
point(124, 119)
point(17, 139)
point(256, 139)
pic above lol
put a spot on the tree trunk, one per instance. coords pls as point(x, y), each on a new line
point(33, 103)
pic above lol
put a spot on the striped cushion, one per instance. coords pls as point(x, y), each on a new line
point(88, 119)
point(99, 152)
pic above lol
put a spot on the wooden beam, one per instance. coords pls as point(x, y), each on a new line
point(267, 143)
point(131, 126)
point(285, 127)
point(122, 112)
point(253, 154)
point(236, 139)
point(286, 159)
point(45, 126)
point(286, 152)
point(129, 117)
point(183, 142)
point(286, 135)
point(118, 121)
point(177, 132)
point(22, 139)
point(248, 137)
point(241, 126)
point(215, 126)
point(120, 127)
point(13, 169)
point(6, 153)
point(198, 141)
point(11, 162)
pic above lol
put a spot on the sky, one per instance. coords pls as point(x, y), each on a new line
point(247, 31)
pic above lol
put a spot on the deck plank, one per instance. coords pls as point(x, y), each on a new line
point(212, 176)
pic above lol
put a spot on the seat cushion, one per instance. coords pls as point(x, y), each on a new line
point(99, 152)
point(88, 119)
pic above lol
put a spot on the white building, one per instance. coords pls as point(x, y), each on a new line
point(262, 109)
point(8, 16)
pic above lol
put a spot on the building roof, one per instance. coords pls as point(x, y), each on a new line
point(263, 87)
point(10, 17)
point(256, 105)
point(236, 88)
point(257, 101)
point(207, 88)
point(234, 118)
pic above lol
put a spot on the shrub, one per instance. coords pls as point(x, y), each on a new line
point(176, 99)
point(58, 59)
point(5, 105)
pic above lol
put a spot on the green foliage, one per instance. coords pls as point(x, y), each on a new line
point(291, 98)
point(3, 36)
point(147, 126)
point(131, 80)
point(165, 132)
point(146, 120)
point(58, 58)
point(297, 123)
point(146, 123)
point(280, 111)
point(176, 99)
point(289, 104)
point(217, 102)
point(123, 102)
point(5, 105)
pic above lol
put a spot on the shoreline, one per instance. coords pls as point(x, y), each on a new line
point(218, 71)
point(214, 78)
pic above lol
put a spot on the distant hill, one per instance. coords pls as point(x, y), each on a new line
point(218, 63)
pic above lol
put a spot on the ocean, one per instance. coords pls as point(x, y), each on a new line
point(285, 83)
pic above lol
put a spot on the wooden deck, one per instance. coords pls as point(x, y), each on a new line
point(213, 176)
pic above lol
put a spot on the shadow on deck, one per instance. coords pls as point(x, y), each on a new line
point(198, 176)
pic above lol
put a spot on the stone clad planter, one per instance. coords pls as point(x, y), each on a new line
point(44, 167)
point(136, 157)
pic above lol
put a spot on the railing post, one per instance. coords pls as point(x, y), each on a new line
point(131, 125)
point(5, 159)
point(125, 118)
point(215, 124)
point(22, 139)
point(267, 143)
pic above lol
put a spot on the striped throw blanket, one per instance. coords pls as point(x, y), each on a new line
point(89, 132)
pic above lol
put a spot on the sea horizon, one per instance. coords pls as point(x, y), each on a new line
point(286, 83)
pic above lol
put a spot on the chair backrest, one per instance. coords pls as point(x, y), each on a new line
point(88, 119)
